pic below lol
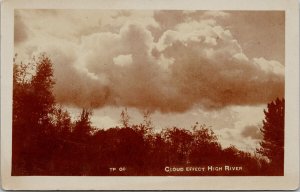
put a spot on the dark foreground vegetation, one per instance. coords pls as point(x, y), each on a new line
point(47, 142)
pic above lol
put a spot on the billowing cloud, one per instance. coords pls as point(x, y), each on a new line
point(211, 69)
point(160, 64)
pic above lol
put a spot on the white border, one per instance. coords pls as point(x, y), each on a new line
point(289, 181)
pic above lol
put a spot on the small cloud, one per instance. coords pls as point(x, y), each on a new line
point(123, 60)
point(269, 66)
point(241, 57)
point(221, 14)
point(252, 132)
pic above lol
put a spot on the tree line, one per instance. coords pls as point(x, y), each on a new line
point(46, 141)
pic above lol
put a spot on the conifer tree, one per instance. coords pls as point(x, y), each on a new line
point(272, 145)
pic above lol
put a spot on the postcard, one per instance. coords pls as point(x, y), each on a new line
point(149, 95)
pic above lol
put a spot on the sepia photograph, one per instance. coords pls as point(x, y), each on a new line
point(183, 92)
point(106, 92)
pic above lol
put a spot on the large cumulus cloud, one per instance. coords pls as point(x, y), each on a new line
point(211, 69)
point(169, 67)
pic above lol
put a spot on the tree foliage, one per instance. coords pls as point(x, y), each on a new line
point(272, 145)
point(46, 141)
point(33, 105)
point(83, 128)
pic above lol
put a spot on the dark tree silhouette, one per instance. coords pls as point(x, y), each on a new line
point(272, 145)
point(42, 84)
point(125, 118)
point(62, 121)
point(83, 127)
point(46, 141)
point(33, 104)
point(204, 145)
point(179, 144)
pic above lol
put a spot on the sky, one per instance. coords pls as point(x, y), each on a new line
point(218, 68)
